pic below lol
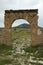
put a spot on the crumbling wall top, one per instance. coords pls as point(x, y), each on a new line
point(14, 11)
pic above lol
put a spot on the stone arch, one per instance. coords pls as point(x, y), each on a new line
point(29, 15)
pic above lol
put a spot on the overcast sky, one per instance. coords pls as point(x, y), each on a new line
point(21, 4)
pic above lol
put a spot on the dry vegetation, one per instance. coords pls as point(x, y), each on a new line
point(21, 52)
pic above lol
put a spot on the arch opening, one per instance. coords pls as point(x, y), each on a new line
point(19, 22)
point(21, 32)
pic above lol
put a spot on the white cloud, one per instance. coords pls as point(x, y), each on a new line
point(40, 13)
point(27, 4)
point(21, 4)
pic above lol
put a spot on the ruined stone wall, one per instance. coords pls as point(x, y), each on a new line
point(40, 37)
point(1, 37)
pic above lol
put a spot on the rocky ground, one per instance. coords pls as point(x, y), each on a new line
point(21, 52)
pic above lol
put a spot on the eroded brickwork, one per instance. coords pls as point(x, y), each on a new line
point(29, 15)
point(2, 36)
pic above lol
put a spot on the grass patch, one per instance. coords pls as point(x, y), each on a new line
point(20, 37)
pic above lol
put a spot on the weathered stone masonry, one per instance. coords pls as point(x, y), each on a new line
point(1, 37)
point(29, 15)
